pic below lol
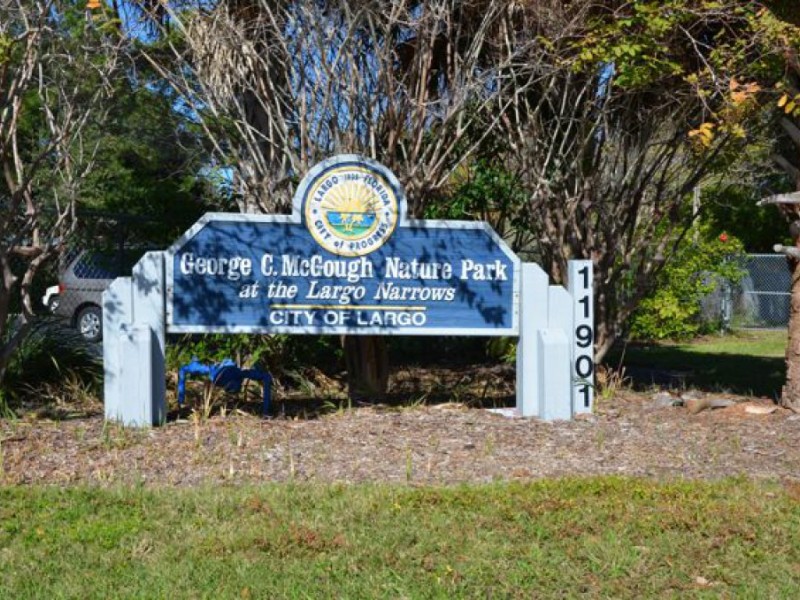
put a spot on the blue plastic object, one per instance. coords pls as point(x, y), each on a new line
point(226, 375)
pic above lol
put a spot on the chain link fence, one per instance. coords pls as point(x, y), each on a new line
point(761, 298)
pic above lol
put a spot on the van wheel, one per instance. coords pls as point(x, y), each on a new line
point(90, 323)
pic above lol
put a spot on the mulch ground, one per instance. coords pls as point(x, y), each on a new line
point(410, 441)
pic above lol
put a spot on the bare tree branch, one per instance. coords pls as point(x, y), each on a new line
point(43, 78)
point(294, 82)
point(792, 198)
point(789, 251)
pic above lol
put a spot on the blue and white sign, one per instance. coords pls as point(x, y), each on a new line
point(346, 261)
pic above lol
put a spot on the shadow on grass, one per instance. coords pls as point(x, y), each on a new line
point(678, 367)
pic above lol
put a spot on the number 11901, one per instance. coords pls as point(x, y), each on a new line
point(580, 286)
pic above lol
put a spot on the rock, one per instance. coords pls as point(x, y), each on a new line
point(691, 395)
point(665, 399)
point(696, 405)
point(760, 409)
point(722, 402)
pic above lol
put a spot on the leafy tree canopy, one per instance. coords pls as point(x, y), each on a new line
point(147, 181)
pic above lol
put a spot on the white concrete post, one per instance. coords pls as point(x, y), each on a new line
point(117, 311)
point(581, 288)
point(554, 389)
point(149, 306)
point(559, 309)
point(559, 318)
point(135, 349)
point(532, 318)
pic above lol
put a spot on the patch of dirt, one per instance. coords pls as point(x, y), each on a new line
point(411, 441)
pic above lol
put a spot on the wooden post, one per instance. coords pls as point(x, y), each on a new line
point(790, 396)
point(789, 204)
point(367, 362)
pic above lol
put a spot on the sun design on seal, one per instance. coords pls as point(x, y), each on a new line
point(351, 209)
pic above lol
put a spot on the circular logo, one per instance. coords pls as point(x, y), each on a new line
point(351, 210)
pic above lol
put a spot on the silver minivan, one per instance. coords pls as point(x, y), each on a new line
point(81, 285)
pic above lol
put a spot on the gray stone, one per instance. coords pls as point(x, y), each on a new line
point(721, 402)
point(665, 399)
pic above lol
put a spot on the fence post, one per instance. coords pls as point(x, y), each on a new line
point(726, 306)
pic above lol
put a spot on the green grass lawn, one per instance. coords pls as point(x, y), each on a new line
point(744, 362)
point(606, 537)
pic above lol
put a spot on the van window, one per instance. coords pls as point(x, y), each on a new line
point(93, 265)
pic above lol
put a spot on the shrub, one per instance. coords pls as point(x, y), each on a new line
point(50, 354)
point(672, 310)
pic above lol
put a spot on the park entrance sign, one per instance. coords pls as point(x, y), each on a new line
point(348, 260)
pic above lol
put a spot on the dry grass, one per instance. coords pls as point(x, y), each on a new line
point(434, 444)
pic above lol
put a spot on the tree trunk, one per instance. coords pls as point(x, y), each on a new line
point(367, 362)
point(790, 397)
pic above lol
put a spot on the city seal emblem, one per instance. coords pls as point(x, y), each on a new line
point(351, 207)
